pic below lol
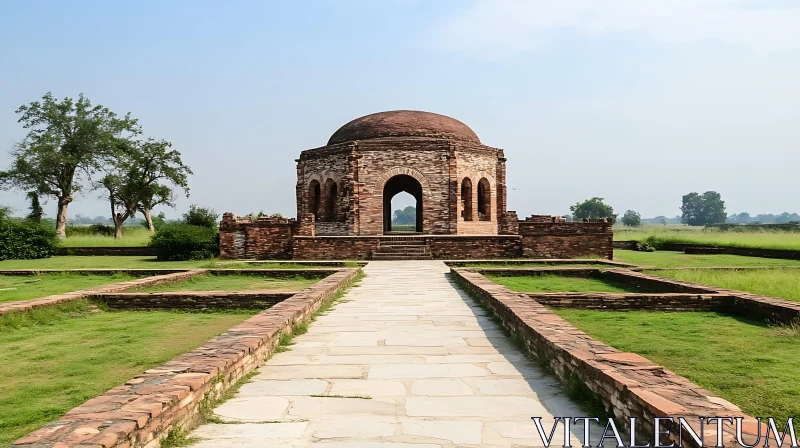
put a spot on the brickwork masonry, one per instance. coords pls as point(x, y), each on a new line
point(27, 305)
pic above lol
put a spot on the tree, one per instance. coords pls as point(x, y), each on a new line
point(133, 184)
point(159, 164)
point(201, 216)
point(631, 219)
point(701, 210)
point(406, 216)
point(35, 208)
point(67, 141)
point(592, 208)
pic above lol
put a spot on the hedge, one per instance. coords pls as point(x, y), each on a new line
point(178, 241)
point(24, 240)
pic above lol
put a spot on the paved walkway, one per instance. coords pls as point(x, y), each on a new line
point(439, 374)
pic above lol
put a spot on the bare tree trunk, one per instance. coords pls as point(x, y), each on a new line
point(61, 216)
point(149, 220)
point(118, 228)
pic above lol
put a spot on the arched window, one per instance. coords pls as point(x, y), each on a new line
point(313, 198)
point(466, 199)
point(484, 200)
point(330, 205)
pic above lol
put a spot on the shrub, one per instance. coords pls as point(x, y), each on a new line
point(201, 216)
point(179, 241)
point(24, 240)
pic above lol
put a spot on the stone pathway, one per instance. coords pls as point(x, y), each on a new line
point(439, 374)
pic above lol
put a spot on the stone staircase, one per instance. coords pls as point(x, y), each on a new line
point(402, 248)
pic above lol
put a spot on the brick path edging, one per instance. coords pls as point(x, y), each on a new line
point(628, 385)
point(147, 407)
point(753, 306)
point(27, 305)
point(194, 300)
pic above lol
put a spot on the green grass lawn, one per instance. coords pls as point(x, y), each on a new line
point(24, 287)
point(113, 262)
point(749, 364)
point(784, 283)
point(69, 354)
point(555, 283)
point(671, 259)
point(233, 283)
point(131, 236)
point(766, 239)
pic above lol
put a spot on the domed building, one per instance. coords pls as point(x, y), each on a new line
point(458, 183)
point(344, 200)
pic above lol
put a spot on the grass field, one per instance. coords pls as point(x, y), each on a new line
point(113, 262)
point(784, 283)
point(69, 354)
point(747, 363)
point(766, 239)
point(24, 287)
point(671, 259)
point(132, 236)
point(233, 283)
point(555, 283)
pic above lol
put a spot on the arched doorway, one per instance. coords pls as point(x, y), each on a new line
point(395, 185)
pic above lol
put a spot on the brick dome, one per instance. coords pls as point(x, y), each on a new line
point(403, 123)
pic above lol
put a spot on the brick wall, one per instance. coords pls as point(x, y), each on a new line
point(633, 301)
point(193, 300)
point(475, 246)
point(542, 239)
point(267, 238)
point(335, 248)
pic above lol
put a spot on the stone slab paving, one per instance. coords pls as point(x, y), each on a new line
point(433, 370)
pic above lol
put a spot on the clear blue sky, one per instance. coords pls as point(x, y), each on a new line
point(637, 102)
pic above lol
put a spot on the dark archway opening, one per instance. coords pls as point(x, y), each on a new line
point(484, 200)
point(330, 201)
point(466, 199)
point(313, 198)
point(395, 185)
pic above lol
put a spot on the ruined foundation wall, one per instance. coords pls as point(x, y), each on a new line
point(267, 238)
point(566, 239)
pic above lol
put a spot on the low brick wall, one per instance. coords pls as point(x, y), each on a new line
point(632, 301)
point(468, 246)
point(140, 251)
point(653, 283)
point(709, 248)
point(147, 407)
point(752, 306)
point(532, 262)
point(194, 300)
point(277, 273)
point(93, 271)
point(27, 305)
point(627, 384)
point(335, 247)
point(566, 239)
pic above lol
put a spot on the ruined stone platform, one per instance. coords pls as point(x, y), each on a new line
point(405, 360)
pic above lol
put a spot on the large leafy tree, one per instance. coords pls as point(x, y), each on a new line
point(406, 216)
point(592, 208)
point(67, 142)
point(632, 219)
point(703, 209)
point(139, 180)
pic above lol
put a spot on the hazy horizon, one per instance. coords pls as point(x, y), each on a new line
point(636, 102)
